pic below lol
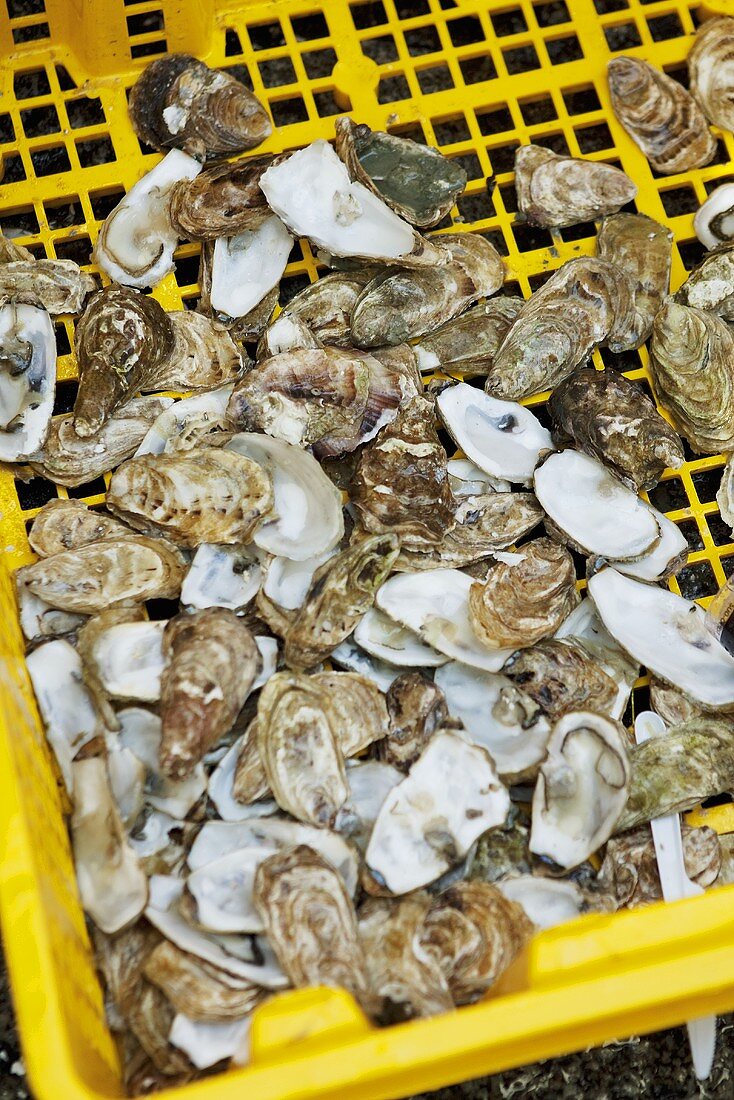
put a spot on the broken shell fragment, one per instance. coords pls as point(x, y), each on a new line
point(204, 355)
point(383, 638)
point(188, 423)
point(642, 249)
point(561, 676)
point(325, 306)
point(222, 576)
point(713, 222)
point(250, 781)
point(660, 116)
point(68, 524)
point(198, 989)
point(39, 621)
point(123, 656)
point(180, 102)
point(417, 709)
point(246, 267)
point(582, 788)
point(27, 379)
point(350, 656)
point(58, 286)
point(466, 479)
point(711, 70)
point(553, 190)
point(610, 418)
point(66, 706)
point(222, 201)
point(400, 304)
point(630, 867)
point(468, 344)
point(710, 286)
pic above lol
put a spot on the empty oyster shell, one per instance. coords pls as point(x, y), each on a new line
point(208, 1042)
point(91, 578)
point(641, 248)
point(582, 788)
point(39, 621)
point(204, 355)
point(326, 398)
point(221, 201)
point(246, 267)
point(68, 459)
point(469, 343)
point(673, 706)
point(122, 657)
point(503, 851)
point(714, 220)
point(68, 524)
point(188, 423)
point(428, 822)
point(137, 239)
point(311, 191)
point(140, 734)
point(399, 304)
point(27, 379)
point(417, 182)
point(310, 921)
point(546, 901)
point(559, 191)
point(286, 333)
point(222, 576)
point(58, 286)
point(250, 781)
point(357, 710)
point(605, 415)
point(710, 286)
point(112, 884)
point(586, 302)
point(502, 438)
point(524, 597)
point(673, 637)
point(711, 70)
point(725, 494)
point(593, 509)
point(417, 709)
point(326, 305)
point(350, 656)
point(660, 116)
point(401, 482)
point(342, 590)
point(198, 989)
point(307, 505)
point(369, 783)
point(385, 639)
point(11, 252)
point(561, 676)
point(584, 629)
point(212, 664)
point(692, 367)
point(286, 586)
point(202, 495)
point(399, 969)
point(474, 932)
point(121, 341)
point(665, 559)
point(630, 867)
point(180, 102)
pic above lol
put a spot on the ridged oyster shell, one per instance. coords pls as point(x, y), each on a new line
point(417, 709)
point(469, 343)
point(222, 201)
point(27, 379)
point(630, 867)
point(326, 305)
point(68, 524)
point(198, 989)
point(286, 333)
point(560, 676)
point(554, 190)
point(188, 423)
point(710, 286)
point(641, 248)
point(712, 72)
point(204, 355)
point(58, 286)
point(725, 494)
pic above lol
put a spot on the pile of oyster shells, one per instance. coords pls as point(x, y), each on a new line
point(377, 742)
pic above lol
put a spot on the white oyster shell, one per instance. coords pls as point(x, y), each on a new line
point(27, 379)
point(546, 901)
point(467, 480)
point(287, 581)
point(350, 656)
point(370, 782)
point(666, 556)
point(382, 637)
point(584, 627)
point(714, 220)
point(140, 734)
point(222, 576)
point(128, 658)
point(173, 422)
point(206, 1042)
point(246, 267)
point(221, 784)
point(40, 621)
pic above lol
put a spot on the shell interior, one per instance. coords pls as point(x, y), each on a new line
point(246, 267)
point(27, 379)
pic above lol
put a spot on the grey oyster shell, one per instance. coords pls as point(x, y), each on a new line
point(660, 116)
point(204, 355)
point(179, 102)
point(59, 286)
point(560, 676)
point(468, 344)
point(553, 190)
point(326, 305)
point(605, 415)
point(68, 524)
point(586, 303)
point(711, 70)
point(416, 181)
point(692, 368)
point(401, 304)
point(221, 201)
point(642, 249)
point(710, 285)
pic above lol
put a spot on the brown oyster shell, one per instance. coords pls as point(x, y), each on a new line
point(673, 706)
point(692, 368)
point(711, 70)
point(417, 708)
point(211, 664)
point(468, 344)
point(198, 989)
point(586, 303)
point(630, 867)
point(522, 602)
point(710, 286)
point(250, 782)
point(10, 252)
point(205, 494)
point(121, 340)
point(68, 524)
point(326, 305)
point(560, 676)
point(210, 113)
point(610, 418)
point(554, 190)
point(660, 116)
point(401, 304)
point(204, 355)
point(642, 249)
point(59, 286)
point(342, 589)
point(401, 483)
point(91, 578)
point(221, 201)
point(474, 932)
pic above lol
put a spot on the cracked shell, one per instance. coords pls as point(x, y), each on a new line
point(204, 355)
point(469, 343)
point(561, 676)
point(711, 70)
point(630, 867)
point(68, 524)
point(417, 709)
point(642, 249)
point(27, 379)
point(222, 201)
point(58, 286)
point(660, 116)
point(553, 190)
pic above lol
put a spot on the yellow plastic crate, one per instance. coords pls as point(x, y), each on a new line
point(476, 79)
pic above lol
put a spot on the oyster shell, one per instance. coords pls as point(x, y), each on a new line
point(91, 578)
point(206, 1043)
point(121, 341)
point(27, 379)
point(561, 676)
point(610, 418)
point(400, 304)
point(474, 932)
point(356, 709)
point(326, 398)
point(692, 368)
point(380, 636)
point(660, 116)
point(594, 510)
point(311, 191)
point(502, 438)
point(250, 781)
point(222, 576)
point(725, 494)
point(58, 286)
point(212, 662)
point(140, 734)
point(502, 852)
point(582, 788)
point(714, 221)
point(673, 637)
point(198, 989)
point(11, 252)
point(710, 286)
point(587, 302)
point(712, 72)
point(286, 333)
point(630, 867)
point(39, 621)
point(525, 596)
point(69, 717)
point(204, 355)
point(429, 821)
point(546, 901)
point(641, 248)
point(415, 181)
point(326, 305)
point(310, 921)
point(665, 559)
point(285, 587)
point(417, 709)
point(673, 706)
point(369, 783)
point(222, 201)
point(137, 239)
point(468, 344)
point(198, 496)
point(180, 102)
point(584, 629)
point(342, 590)
point(352, 657)
point(188, 423)
point(246, 267)
point(68, 459)
point(112, 884)
point(68, 524)
point(554, 190)
point(123, 658)
point(401, 481)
